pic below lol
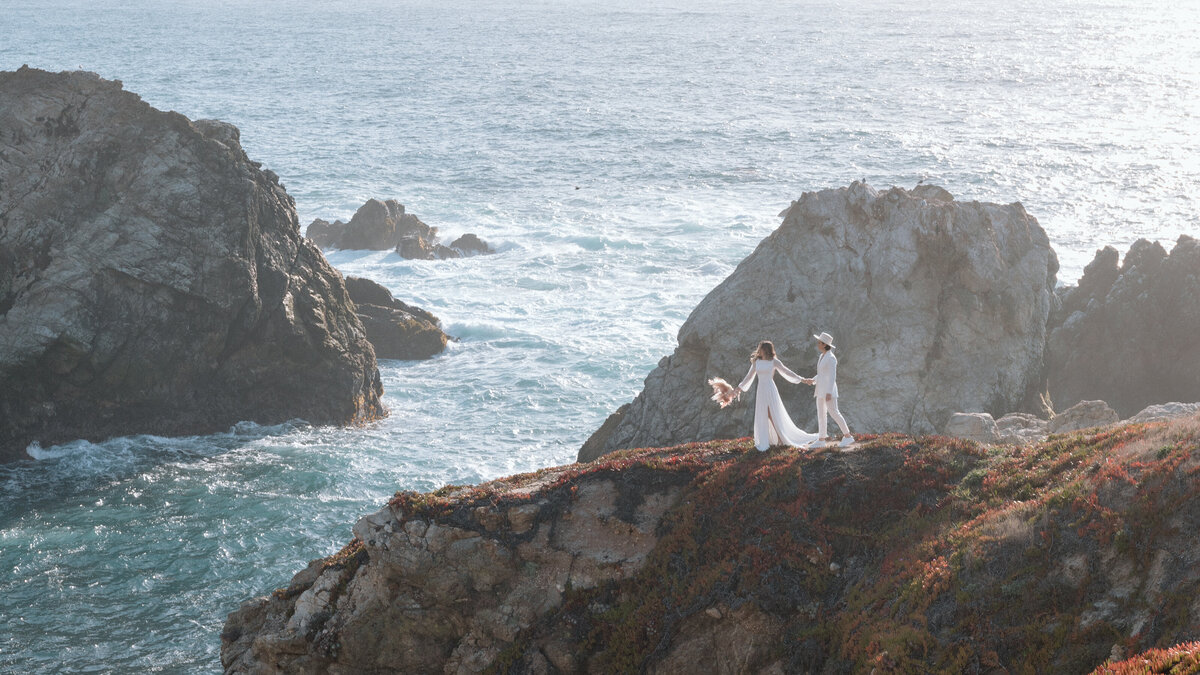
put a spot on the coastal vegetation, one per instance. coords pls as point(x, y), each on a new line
point(907, 554)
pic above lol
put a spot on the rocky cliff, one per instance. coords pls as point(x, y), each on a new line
point(1130, 333)
point(936, 305)
point(153, 279)
point(904, 555)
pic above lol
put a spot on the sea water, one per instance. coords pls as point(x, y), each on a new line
point(623, 157)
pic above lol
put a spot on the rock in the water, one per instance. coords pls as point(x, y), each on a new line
point(415, 246)
point(382, 225)
point(396, 330)
point(1165, 411)
point(470, 244)
point(936, 305)
point(1130, 335)
point(1083, 415)
point(376, 226)
point(324, 233)
point(979, 427)
point(153, 279)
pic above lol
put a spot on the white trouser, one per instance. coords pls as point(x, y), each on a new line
point(830, 408)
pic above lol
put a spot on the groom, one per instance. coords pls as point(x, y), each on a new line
point(826, 391)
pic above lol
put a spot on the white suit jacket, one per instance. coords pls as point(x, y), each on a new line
point(825, 380)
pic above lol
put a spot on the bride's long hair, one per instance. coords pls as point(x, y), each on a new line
point(765, 351)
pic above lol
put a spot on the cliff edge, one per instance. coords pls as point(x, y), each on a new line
point(907, 554)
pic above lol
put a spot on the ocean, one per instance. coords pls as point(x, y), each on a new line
point(623, 157)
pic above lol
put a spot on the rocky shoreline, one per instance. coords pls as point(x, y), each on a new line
point(907, 554)
point(1056, 546)
point(154, 279)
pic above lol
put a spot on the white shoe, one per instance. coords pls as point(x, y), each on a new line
point(846, 440)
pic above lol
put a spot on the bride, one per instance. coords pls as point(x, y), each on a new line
point(772, 425)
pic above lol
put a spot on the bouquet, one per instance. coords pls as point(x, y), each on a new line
point(723, 392)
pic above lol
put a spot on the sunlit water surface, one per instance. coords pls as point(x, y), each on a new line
point(623, 156)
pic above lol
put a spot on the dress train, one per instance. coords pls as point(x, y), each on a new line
point(772, 424)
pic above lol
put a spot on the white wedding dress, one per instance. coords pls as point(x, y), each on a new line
point(772, 425)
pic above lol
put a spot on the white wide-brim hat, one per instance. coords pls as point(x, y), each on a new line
point(826, 338)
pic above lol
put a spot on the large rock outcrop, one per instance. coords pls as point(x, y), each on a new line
point(396, 329)
point(906, 555)
point(936, 306)
point(153, 279)
point(1130, 334)
point(381, 225)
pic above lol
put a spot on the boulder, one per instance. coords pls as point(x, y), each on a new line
point(382, 225)
point(396, 330)
point(1165, 411)
point(1021, 429)
point(1129, 335)
point(154, 280)
point(470, 244)
point(979, 427)
point(936, 306)
point(1083, 415)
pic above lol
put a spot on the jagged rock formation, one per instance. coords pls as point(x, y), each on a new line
point(904, 555)
point(153, 279)
point(380, 225)
point(1130, 335)
point(937, 306)
point(397, 330)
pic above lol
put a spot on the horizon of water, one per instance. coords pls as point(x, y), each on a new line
point(623, 157)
